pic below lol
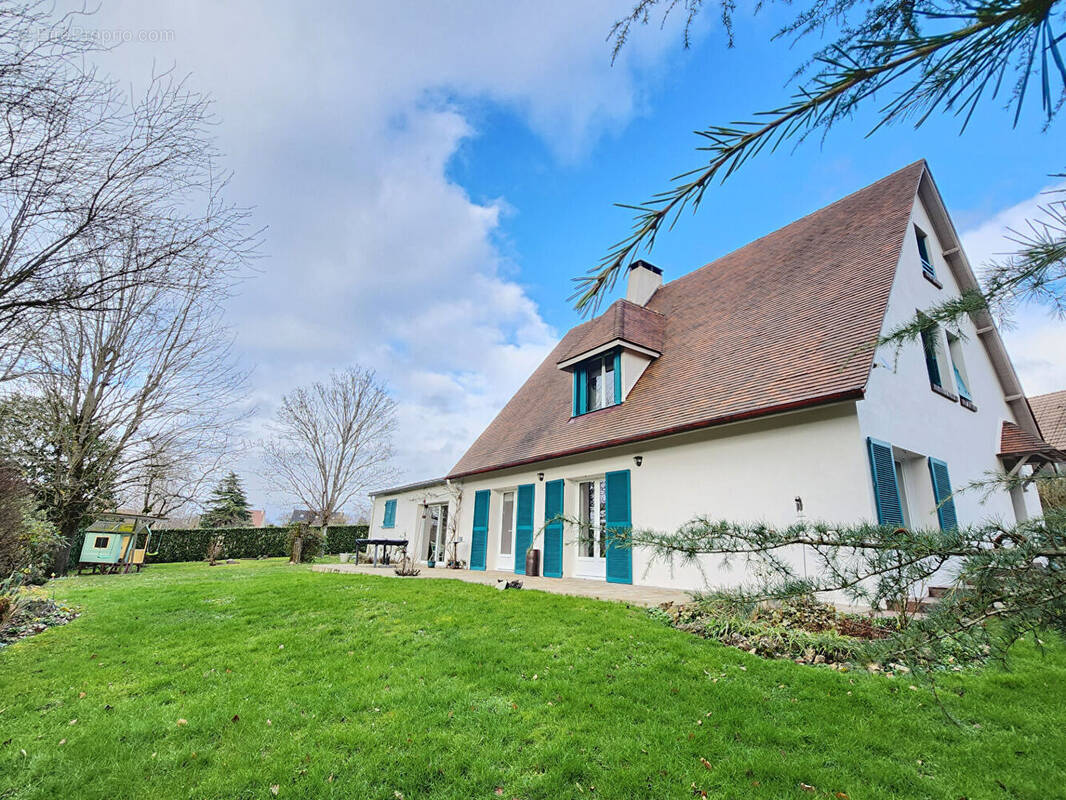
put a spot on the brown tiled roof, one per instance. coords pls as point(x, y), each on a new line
point(623, 320)
point(781, 323)
point(1015, 441)
point(1050, 412)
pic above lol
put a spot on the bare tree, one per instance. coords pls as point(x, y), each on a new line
point(331, 441)
point(79, 159)
point(134, 386)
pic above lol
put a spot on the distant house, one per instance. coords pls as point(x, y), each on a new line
point(258, 517)
point(1050, 411)
point(747, 390)
point(304, 515)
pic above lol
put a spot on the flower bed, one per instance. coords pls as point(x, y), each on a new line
point(32, 616)
point(803, 630)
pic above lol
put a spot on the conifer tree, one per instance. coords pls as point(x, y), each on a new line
point(228, 506)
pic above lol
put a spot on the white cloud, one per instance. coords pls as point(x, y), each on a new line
point(340, 125)
point(1034, 339)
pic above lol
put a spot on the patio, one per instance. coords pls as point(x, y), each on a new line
point(577, 587)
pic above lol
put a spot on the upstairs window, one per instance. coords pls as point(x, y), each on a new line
point(931, 347)
point(958, 366)
point(923, 254)
point(598, 383)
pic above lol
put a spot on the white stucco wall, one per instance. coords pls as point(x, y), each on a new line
point(410, 521)
point(749, 471)
point(900, 408)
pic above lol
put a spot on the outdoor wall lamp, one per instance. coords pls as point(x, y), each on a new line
point(638, 460)
point(799, 504)
point(540, 476)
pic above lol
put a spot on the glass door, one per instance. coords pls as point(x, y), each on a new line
point(591, 546)
point(435, 537)
point(505, 558)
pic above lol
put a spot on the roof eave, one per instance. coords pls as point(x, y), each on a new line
point(964, 276)
point(836, 397)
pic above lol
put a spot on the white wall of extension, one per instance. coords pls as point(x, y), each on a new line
point(900, 407)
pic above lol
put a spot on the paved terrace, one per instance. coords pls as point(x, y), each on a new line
point(600, 590)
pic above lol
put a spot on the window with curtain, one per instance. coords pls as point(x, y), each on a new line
point(597, 383)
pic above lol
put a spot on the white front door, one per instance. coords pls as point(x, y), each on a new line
point(505, 557)
point(591, 547)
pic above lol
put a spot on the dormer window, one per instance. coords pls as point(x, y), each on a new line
point(598, 383)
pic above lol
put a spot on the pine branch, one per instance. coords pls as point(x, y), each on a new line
point(950, 71)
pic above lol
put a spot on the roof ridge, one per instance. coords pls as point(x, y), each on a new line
point(798, 220)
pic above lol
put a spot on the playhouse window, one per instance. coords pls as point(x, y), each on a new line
point(101, 542)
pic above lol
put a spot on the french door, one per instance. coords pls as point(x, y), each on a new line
point(505, 556)
point(591, 543)
point(435, 535)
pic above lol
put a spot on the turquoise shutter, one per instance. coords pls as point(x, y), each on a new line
point(932, 366)
point(617, 376)
point(553, 530)
point(619, 528)
point(479, 538)
point(945, 503)
point(577, 407)
point(523, 528)
point(390, 514)
point(886, 492)
point(960, 384)
point(582, 392)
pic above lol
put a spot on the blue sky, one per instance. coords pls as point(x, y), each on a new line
point(563, 218)
point(433, 175)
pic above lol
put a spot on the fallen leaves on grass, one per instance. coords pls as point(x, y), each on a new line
point(706, 763)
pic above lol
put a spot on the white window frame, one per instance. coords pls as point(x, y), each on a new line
point(514, 521)
point(595, 566)
point(440, 543)
point(921, 241)
point(900, 466)
point(601, 394)
point(957, 360)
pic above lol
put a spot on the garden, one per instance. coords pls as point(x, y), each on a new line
point(263, 679)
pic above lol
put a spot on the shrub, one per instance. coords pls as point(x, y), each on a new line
point(1053, 493)
point(341, 538)
point(311, 542)
point(26, 538)
point(192, 544)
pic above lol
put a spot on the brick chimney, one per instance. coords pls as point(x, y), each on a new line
point(643, 280)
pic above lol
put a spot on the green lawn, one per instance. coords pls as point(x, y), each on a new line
point(189, 681)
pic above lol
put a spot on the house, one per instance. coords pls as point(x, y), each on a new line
point(258, 517)
point(746, 390)
point(312, 518)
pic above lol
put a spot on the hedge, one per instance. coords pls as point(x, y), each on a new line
point(191, 544)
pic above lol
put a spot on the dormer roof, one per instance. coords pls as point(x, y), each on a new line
point(623, 322)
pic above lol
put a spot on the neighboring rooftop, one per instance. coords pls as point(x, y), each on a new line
point(1050, 412)
point(776, 325)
